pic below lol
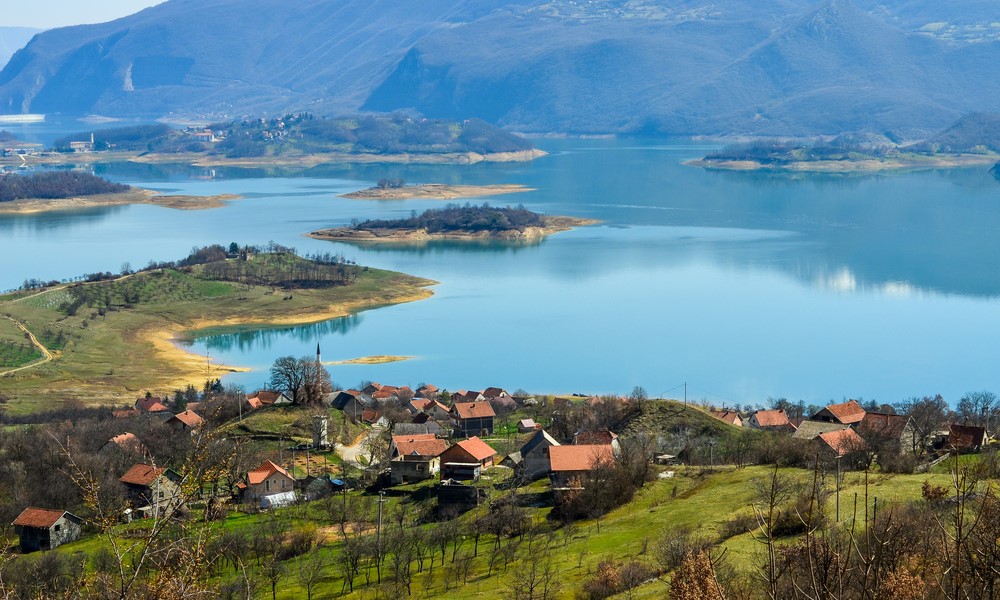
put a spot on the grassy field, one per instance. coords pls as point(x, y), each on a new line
point(120, 342)
point(695, 499)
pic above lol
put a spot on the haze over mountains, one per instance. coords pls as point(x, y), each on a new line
point(720, 67)
point(13, 39)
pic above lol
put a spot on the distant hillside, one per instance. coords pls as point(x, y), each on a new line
point(975, 133)
point(770, 67)
point(13, 39)
point(304, 134)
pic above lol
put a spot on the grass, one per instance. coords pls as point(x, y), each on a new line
point(112, 351)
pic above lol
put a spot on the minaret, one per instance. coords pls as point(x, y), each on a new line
point(318, 361)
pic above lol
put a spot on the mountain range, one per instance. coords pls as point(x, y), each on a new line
point(13, 39)
point(695, 67)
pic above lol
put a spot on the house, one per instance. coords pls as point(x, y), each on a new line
point(499, 399)
point(526, 425)
point(967, 438)
point(466, 459)
point(414, 457)
point(374, 418)
point(186, 420)
point(126, 443)
point(151, 404)
point(467, 396)
point(387, 393)
point(427, 391)
point(847, 413)
point(771, 420)
point(810, 430)
point(432, 425)
point(351, 402)
point(252, 404)
point(265, 480)
point(841, 442)
point(432, 408)
point(472, 418)
point(271, 397)
point(534, 454)
point(152, 491)
point(45, 529)
point(597, 437)
point(728, 416)
point(570, 465)
point(889, 432)
point(372, 387)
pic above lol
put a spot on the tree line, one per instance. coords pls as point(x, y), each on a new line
point(55, 184)
point(455, 217)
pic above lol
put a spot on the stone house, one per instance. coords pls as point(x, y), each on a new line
point(266, 479)
point(152, 491)
point(885, 432)
point(45, 529)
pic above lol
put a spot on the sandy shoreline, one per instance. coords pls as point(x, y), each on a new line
point(435, 191)
point(192, 366)
point(872, 165)
point(350, 234)
point(378, 359)
point(133, 196)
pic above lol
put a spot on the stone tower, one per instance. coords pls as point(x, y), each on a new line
point(320, 430)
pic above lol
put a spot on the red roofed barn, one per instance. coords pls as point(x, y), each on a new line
point(45, 529)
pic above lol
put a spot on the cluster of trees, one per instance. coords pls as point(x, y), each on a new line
point(454, 217)
point(54, 185)
point(774, 152)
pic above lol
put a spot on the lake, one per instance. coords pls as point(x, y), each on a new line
point(744, 285)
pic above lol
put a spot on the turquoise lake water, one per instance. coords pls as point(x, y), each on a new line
point(744, 285)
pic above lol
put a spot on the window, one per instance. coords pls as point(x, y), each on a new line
point(267, 486)
point(57, 527)
point(161, 495)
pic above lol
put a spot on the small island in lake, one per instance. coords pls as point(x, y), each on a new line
point(455, 222)
point(65, 190)
point(390, 189)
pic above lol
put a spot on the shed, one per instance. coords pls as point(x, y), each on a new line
point(45, 529)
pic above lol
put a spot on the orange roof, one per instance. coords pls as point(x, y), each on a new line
point(190, 419)
point(145, 404)
point(384, 394)
point(142, 474)
point(772, 418)
point(254, 403)
point(477, 448)
point(579, 458)
point(265, 470)
point(594, 438)
point(421, 444)
point(843, 441)
point(265, 396)
point(473, 410)
point(38, 517)
point(848, 412)
point(122, 414)
point(729, 416)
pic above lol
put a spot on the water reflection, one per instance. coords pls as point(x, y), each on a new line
point(221, 340)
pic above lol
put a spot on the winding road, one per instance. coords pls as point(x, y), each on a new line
point(34, 340)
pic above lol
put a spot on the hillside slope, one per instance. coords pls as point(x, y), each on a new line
point(691, 67)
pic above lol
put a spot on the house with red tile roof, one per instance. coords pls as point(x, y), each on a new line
point(186, 420)
point(967, 438)
point(432, 408)
point(152, 491)
point(597, 437)
point(267, 479)
point(569, 465)
point(771, 420)
point(466, 459)
point(271, 397)
point(415, 457)
point(126, 443)
point(846, 413)
point(45, 529)
point(841, 442)
point(472, 418)
point(728, 416)
point(467, 396)
point(427, 391)
point(150, 404)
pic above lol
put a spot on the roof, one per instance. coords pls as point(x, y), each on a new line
point(370, 416)
point(962, 436)
point(40, 517)
point(579, 457)
point(771, 418)
point(126, 440)
point(428, 388)
point(494, 392)
point(809, 430)
point(425, 444)
point(849, 412)
point(143, 475)
point(729, 416)
point(476, 448)
point(190, 419)
point(151, 404)
point(265, 470)
point(882, 424)
point(122, 414)
point(266, 396)
point(536, 439)
point(473, 410)
point(843, 441)
point(385, 393)
point(254, 403)
point(526, 423)
point(597, 437)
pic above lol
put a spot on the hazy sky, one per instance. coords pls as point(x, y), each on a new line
point(46, 14)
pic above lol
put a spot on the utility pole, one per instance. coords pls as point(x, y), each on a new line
point(838, 488)
point(378, 536)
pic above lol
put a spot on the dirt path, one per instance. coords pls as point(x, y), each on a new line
point(352, 453)
point(34, 340)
